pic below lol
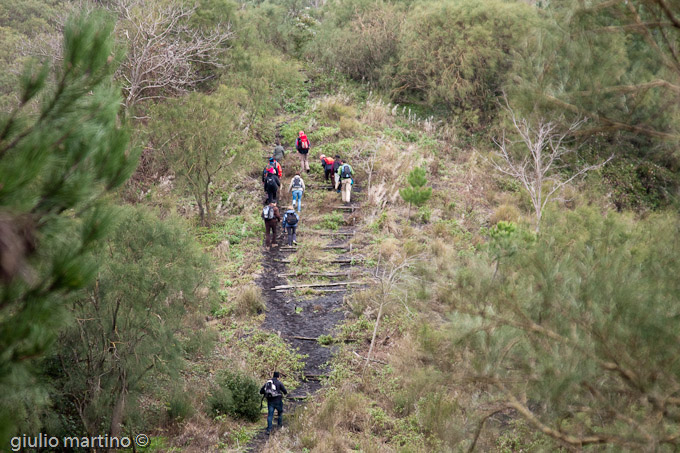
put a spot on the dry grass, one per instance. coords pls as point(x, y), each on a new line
point(505, 212)
point(376, 114)
point(249, 300)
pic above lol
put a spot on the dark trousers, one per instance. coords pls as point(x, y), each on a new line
point(271, 194)
point(291, 234)
point(271, 405)
point(270, 232)
point(328, 174)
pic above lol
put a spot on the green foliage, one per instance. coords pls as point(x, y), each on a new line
point(640, 184)
point(146, 287)
point(458, 54)
point(179, 406)
point(330, 221)
point(235, 394)
point(61, 150)
point(266, 353)
point(584, 322)
point(416, 194)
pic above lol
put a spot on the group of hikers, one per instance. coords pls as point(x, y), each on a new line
point(337, 172)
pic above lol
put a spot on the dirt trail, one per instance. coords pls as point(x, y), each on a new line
point(309, 316)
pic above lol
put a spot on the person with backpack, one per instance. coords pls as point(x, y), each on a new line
point(327, 164)
point(336, 164)
point(290, 224)
point(274, 390)
point(302, 145)
point(345, 173)
point(271, 217)
point(297, 187)
point(272, 184)
point(279, 152)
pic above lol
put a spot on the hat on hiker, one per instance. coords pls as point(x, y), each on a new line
point(323, 156)
point(337, 156)
point(291, 208)
point(271, 159)
point(301, 133)
point(276, 374)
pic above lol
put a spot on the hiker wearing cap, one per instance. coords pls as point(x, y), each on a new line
point(346, 180)
point(277, 166)
point(274, 390)
point(291, 219)
point(302, 145)
point(271, 217)
point(297, 187)
point(279, 152)
point(327, 164)
point(336, 164)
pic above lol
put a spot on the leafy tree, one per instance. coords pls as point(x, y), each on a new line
point(457, 54)
point(126, 324)
point(580, 333)
point(198, 135)
point(416, 193)
point(61, 150)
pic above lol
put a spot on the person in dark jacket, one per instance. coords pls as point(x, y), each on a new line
point(272, 184)
point(271, 217)
point(291, 220)
point(327, 164)
point(274, 402)
point(336, 164)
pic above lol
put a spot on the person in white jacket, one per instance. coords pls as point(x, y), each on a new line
point(297, 187)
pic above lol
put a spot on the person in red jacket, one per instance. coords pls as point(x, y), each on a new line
point(302, 145)
point(327, 164)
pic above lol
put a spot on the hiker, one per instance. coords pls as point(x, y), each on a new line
point(302, 145)
point(272, 184)
point(327, 164)
point(271, 217)
point(336, 164)
point(277, 166)
point(346, 180)
point(290, 224)
point(279, 152)
point(274, 390)
point(297, 186)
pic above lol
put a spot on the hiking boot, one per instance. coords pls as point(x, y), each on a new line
point(295, 243)
point(275, 244)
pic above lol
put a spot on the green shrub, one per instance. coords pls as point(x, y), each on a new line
point(235, 394)
point(179, 407)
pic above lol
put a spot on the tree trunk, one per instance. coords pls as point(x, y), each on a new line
point(201, 212)
point(118, 410)
point(375, 332)
point(206, 196)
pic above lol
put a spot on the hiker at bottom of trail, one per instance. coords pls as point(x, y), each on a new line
point(272, 184)
point(337, 162)
point(291, 219)
point(327, 164)
point(274, 390)
point(271, 217)
point(302, 146)
point(345, 174)
point(297, 187)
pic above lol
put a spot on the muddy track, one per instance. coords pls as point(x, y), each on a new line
point(289, 316)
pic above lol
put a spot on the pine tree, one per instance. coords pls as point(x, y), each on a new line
point(62, 148)
point(416, 194)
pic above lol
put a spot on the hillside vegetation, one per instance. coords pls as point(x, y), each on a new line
point(514, 226)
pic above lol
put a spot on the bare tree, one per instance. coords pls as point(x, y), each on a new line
point(163, 49)
point(538, 166)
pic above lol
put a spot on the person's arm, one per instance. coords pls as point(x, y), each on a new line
point(283, 388)
point(276, 213)
point(303, 184)
point(262, 390)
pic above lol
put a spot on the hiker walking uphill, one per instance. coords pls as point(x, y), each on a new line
point(279, 152)
point(345, 175)
point(271, 217)
point(297, 187)
point(272, 184)
point(336, 164)
point(291, 220)
point(302, 145)
point(274, 390)
point(327, 164)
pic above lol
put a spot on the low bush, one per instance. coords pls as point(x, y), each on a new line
point(235, 394)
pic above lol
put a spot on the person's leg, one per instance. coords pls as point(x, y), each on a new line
point(349, 191)
point(306, 162)
point(270, 415)
point(302, 161)
point(268, 234)
point(297, 195)
point(337, 182)
point(274, 240)
point(279, 409)
point(290, 235)
point(344, 190)
point(294, 234)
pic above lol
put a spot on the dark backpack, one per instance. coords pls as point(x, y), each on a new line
point(270, 390)
point(297, 183)
point(345, 172)
point(266, 172)
point(291, 219)
point(270, 183)
point(268, 212)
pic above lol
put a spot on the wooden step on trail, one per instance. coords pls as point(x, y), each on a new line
point(349, 208)
point(316, 285)
point(315, 274)
point(316, 290)
point(286, 248)
point(335, 261)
